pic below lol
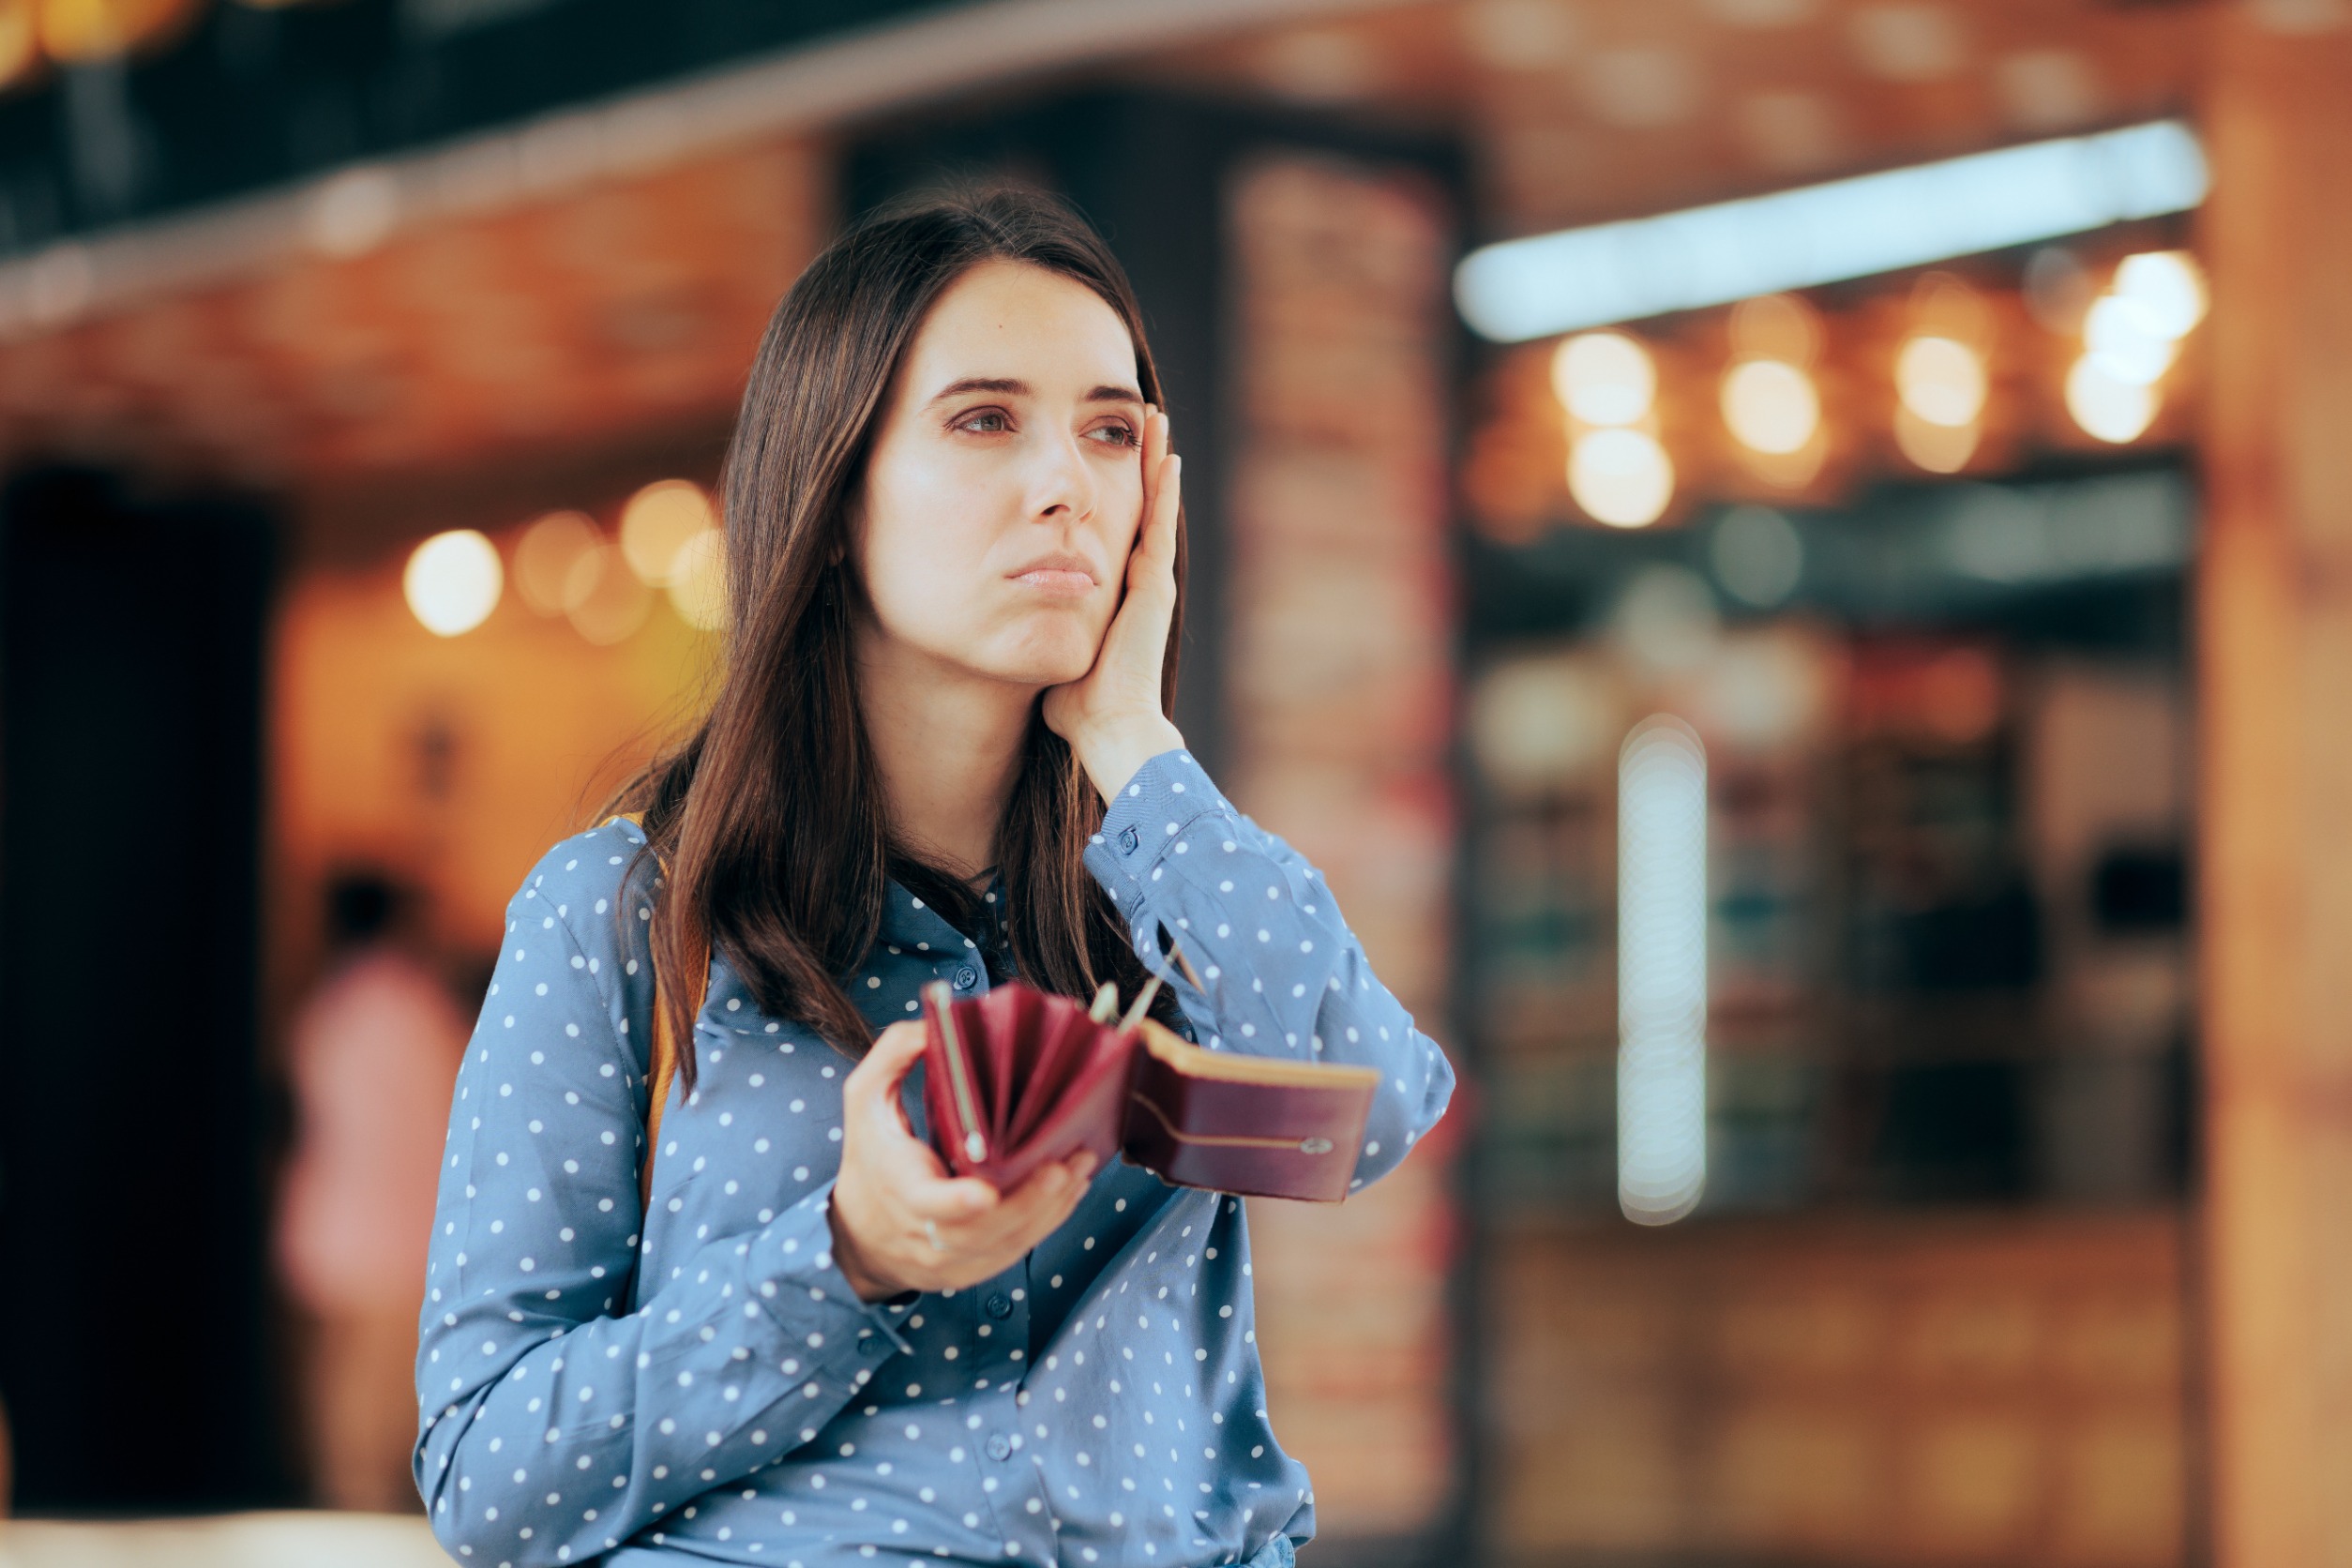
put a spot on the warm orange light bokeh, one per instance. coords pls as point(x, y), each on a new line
point(454, 762)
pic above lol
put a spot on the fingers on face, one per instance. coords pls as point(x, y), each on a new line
point(1156, 447)
point(1156, 543)
point(1170, 494)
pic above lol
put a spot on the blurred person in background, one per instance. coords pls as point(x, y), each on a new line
point(375, 1050)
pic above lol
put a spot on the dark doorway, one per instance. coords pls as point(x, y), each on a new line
point(132, 1335)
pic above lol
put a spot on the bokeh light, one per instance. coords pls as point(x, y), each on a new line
point(607, 601)
point(2128, 339)
point(1935, 448)
point(1536, 722)
point(79, 31)
point(2108, 409)
point(20, 48)
point(658, 524)
point(1621, 477)
point(452, 581)
point(2168, 285)
point(698, 588)
point(1605, 378)
point(1664, 622)
point(1771, 406)
point(1758, 555)
point(1776, 326)
point(1941, 380)
point(545, 556)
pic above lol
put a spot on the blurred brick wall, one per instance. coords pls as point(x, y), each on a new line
point(523, 325)
point(1341, 688)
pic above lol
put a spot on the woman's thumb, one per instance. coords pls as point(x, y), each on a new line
point(892, 1055)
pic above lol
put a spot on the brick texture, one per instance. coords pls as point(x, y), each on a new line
point(1342, 690)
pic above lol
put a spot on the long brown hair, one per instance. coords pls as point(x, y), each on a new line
point(767, 822)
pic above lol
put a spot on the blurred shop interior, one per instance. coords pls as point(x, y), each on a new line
point(1775, 551)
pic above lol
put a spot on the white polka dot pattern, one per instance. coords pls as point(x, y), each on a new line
point(714, 1384)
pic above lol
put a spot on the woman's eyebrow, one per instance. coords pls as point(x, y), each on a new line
point(1008, 387)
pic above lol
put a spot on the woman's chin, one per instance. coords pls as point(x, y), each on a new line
point(1044, 661)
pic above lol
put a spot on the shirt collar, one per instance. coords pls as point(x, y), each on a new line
point(917, 928)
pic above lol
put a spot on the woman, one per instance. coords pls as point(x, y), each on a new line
point(956, 556)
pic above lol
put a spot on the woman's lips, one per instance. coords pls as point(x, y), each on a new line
point(1058, 582)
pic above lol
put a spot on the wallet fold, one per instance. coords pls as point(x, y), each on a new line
point(1018, 1079)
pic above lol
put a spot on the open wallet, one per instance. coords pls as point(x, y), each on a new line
point(1018, 1078)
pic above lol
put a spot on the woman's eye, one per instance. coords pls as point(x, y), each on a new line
point(1114, 435)
point(989, 421)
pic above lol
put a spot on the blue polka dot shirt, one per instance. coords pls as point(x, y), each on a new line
point(696, 1377)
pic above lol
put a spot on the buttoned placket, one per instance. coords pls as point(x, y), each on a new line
point(997, 1311)
point(1012, 1479)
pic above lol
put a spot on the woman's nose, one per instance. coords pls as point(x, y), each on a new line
point(1064, 481)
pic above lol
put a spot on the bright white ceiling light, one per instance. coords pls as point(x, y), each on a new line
point(2167, 286)
point(2109, 409)
point(453, 580)
point(1603, 378)
point(1941, 380)
point(1823, 233)
point(1771, 406)
point(1621, 477)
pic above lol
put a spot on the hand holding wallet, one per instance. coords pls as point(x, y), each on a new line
point(1018, 1078)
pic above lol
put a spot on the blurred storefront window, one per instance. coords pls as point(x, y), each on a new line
point(1931, 1300)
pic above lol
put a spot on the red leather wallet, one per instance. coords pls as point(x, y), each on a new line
point(1018, 1078)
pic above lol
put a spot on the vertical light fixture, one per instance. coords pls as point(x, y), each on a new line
point(1661, 972)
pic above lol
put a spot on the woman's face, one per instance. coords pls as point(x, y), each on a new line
point(1005, 481)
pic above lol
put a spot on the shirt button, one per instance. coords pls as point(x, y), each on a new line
point(965, 977)
point(1000, 1446)
point(1128, 839)
point(997, 1307)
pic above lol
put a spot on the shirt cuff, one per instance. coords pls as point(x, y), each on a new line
point(1168, 795)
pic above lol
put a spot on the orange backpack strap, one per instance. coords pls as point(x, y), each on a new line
point(663, 1065)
